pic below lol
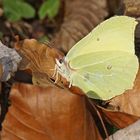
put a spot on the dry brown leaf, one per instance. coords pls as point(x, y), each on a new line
point(47, 114)
point(116, 118)
point(129, 102)
point(132, 7)
point(80, 18)
point(39, 58)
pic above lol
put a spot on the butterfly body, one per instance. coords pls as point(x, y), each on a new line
point(103, 64)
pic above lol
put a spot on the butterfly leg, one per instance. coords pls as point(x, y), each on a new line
point(57, 77)
point(55, 74)
point(55, 71)
point(70, 84)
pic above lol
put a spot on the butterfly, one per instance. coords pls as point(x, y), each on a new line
point(103, 64)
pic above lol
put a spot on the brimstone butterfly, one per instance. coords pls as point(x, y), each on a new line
point(103, 64)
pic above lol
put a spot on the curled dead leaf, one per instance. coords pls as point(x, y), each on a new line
point(39, 58)
point(47, 114)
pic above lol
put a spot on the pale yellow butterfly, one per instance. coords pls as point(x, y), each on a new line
point(103, 64)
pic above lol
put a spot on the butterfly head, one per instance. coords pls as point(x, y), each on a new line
point(63, 68)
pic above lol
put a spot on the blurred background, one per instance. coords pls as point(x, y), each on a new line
point(61, 22)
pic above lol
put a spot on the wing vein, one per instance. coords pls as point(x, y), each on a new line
point(99, 62)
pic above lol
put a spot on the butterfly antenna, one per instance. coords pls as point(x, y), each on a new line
point(99, 115)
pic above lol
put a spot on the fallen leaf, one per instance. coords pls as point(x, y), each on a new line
point(50, 113)
point(79, 19)
point(116, 118)
point(39, 58)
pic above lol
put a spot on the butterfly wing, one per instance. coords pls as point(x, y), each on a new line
point(107, 75)
point(104, 62)
point(116, 33)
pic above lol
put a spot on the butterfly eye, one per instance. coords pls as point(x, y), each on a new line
point(60, 61)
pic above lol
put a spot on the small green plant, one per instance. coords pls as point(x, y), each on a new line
point(49, 8)
point(17, 9)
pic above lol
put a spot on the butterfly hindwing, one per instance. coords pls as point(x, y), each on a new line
point(107, 78)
